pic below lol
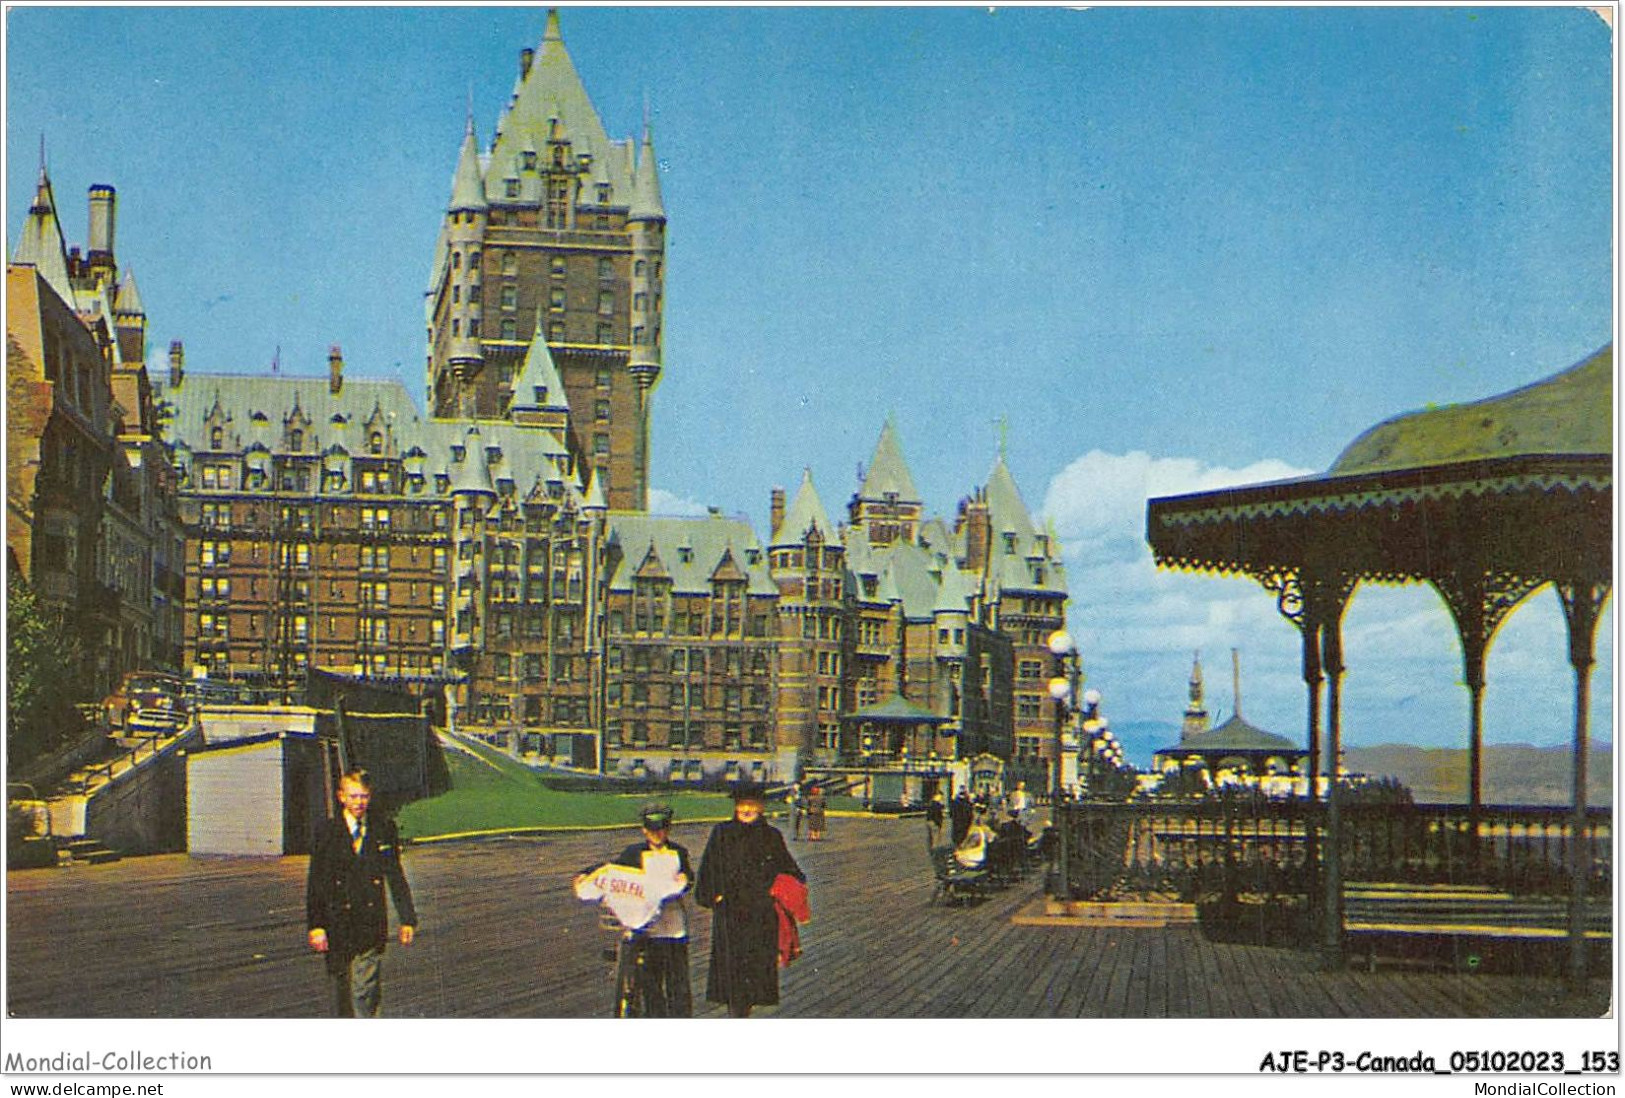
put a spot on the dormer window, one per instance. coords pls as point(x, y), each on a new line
point(457, 453)
point(603, 194)
point(338, 419)
point(1009, 541)
point(217, 439)
point(296, 440)
point(511, 187)
point(375, 442)
point(541, 394)
point(528, 160)
point(557, 266)
point(685, 554)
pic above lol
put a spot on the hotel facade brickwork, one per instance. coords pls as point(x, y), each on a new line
point(493, 549)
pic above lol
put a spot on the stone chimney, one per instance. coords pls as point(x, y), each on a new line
point(335, 369)
point(177, 363)
point(977, 524)
point(100, 247)
point(526, 56)
point(775, 514)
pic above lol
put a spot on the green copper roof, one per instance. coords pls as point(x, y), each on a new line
point(888, 472)
point(1568, 413)
point(689, 549)
point(1006, 509)
point(128, 301)
point(806, 513)
point(1234, 735)
point(467, 185)
point(255, 411)
point(896, 710)
point(551, 90)
point(539, 385)
point(646, 202)
point(41, 246)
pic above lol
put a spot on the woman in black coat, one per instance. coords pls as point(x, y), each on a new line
point(741, 860)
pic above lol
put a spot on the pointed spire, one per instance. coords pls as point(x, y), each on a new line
point(888, 472)
point(1007, 511)
point(467, 185)
point(552, 33)
point(646, 201)
point(539, 386)
point(40, 244)
point(128, 300)
point(806, 513)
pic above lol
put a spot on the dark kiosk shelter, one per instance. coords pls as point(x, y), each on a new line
point(1488, 502)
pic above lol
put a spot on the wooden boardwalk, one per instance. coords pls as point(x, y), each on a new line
point(173, 936)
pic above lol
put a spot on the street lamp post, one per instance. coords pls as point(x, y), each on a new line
point(1063, 688)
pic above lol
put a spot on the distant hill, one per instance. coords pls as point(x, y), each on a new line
point(1513, 773)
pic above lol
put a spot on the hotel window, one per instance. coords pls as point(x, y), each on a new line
point(557, 266)
point(555, 299)
point(509, 330)
point(555, 332)
point(437, 632)
point(603, 194)
point(606, 333)
point(510, 295)
point(512, 187)
point(606, 302)
point(528, 160)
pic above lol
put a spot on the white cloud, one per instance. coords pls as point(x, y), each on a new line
point(662, 502)
point(1138, 627)
point(1100, 498)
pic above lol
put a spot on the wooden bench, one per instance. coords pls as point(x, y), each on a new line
point(1375, 910)
point(954, 881)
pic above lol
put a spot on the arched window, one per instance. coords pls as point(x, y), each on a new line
point(376, 442)
point(217, 439)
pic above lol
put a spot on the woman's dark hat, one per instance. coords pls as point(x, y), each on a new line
point(750, 791)
point(656, 817)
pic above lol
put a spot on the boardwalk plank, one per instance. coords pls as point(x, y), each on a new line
point(503, 936)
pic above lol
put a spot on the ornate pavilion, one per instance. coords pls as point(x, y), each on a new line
point(1488, 502)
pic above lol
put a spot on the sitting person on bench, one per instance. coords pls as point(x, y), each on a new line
point(972, 853)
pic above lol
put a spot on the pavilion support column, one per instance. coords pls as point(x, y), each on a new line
point(1479, 603)
point(1333, 600)
point(1582, 606)
point(1313, 678)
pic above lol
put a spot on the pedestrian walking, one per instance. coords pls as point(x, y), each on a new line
point(816, 809)
point(743, 859)
point(651, 977)
point(798, 808)
point(356, 853)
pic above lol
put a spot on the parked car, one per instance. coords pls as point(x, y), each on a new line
point(146, 703)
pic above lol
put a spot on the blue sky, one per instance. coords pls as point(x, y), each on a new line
point(1174, 248)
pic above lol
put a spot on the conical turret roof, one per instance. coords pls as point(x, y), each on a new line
point(128, 301)
point(472, 475)
point(646, 201)
point(40, 244)
point(468, 184)
point(888, 472)
point(806, 512)
point(1006, 509)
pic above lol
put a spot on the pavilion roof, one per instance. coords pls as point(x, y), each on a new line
point(1522, 482)
point(896, 710)
point(1234, 737)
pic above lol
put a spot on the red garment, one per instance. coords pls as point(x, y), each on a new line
point(790, 900)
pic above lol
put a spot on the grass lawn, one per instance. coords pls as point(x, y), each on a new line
point(490, 791)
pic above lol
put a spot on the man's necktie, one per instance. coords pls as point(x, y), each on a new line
point(356, 837)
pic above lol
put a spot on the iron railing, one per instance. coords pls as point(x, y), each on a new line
point(1227, 846)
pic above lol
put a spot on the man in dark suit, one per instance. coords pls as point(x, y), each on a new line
point(355, 853)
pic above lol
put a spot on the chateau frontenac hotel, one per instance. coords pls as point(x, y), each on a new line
point(493, 547)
